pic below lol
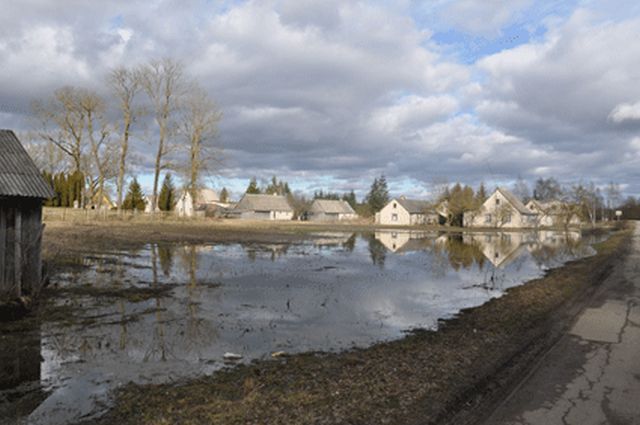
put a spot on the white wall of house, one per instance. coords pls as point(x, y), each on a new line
point(497, 211)
point(394, 214)
point(282, 215)
point(184, 207)
point(267, 215)
point(545, 219)
point(321, 216)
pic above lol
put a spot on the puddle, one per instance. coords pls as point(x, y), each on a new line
point(162, 313)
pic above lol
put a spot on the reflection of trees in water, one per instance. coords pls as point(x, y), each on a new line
point(494, 279)
point(198, 331)
point(165, 255)
point(461, 254)
point(377, 251)
point(158, 348)
point(558, 248)
point(350, 244)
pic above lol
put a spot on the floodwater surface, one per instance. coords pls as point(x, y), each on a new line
point(332, 292)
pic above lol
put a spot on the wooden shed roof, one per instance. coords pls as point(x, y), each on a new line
point(19, 176)
point(331, 206)
point(251, 202)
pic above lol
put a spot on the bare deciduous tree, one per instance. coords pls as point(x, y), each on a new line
point(163, 82)
point(73, 119)
point(99, 166)
point(199, 126)
point(47, 156)
point(62, 120)
point(125, 84)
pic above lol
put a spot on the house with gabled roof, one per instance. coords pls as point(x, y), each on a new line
point(22, 192)
point(206, 201)
point(501, 210)
point(407, 212)
point(263, 207)
point(554, 213)
point(330, 210)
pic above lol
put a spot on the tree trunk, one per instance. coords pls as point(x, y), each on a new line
point(123, 159)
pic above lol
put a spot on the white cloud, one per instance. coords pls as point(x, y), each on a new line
point(562, 89)
point(413, 112)
point(625, 112)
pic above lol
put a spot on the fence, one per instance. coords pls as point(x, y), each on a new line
point(50, 214)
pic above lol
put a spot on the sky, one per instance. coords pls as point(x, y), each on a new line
point(330, 94)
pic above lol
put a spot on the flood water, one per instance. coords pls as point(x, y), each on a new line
point(331, 292)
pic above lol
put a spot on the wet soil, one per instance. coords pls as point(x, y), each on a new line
point(424, 378)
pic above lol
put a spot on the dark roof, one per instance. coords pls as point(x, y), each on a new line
point(19, 176)
point(514, 201)
point(331, 206)
point(414, 206)
point(251, 202)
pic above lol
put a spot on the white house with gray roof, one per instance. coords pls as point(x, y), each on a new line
point(555, 213)
point(331, 210)
point(502, 209)
point(263, 207)
point(407, 212)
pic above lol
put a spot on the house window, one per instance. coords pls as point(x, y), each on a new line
point(487, 218)
point(497, 201)
point(394, 217)
point(395, 205)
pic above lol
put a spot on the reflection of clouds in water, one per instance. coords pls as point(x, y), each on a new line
point(330, 293)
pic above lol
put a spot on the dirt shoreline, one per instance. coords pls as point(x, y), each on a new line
point(424, 378)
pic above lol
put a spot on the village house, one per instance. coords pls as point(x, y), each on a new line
point(407, 212)
point(502, 209)
point(22, 192)
point(554, 213)
point(262, 207)
point(207, 202)
point(330, 210)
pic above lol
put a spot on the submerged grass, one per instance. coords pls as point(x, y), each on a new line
point(422, 378)
point(131, 294)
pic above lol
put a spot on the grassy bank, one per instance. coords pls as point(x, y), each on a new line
point(422, 378)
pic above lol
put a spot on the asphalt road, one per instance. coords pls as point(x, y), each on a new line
point(592, 375)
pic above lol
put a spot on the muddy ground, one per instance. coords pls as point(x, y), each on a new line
point(424, 378)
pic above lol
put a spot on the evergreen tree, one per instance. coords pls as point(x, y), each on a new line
point(135, 198)
point(273, 187)
point(350, 198)
point(224, 195)
point(167, 197)
point(481, 195)
point(378, 196)
point(253, 187)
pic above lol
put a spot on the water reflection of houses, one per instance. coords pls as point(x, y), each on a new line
point(272, 251)
point(405, 241)
point(500, 248)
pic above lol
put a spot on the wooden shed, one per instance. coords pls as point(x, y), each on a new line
point(22, 192)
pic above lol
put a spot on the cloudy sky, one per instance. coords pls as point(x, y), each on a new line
point(329, 94)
